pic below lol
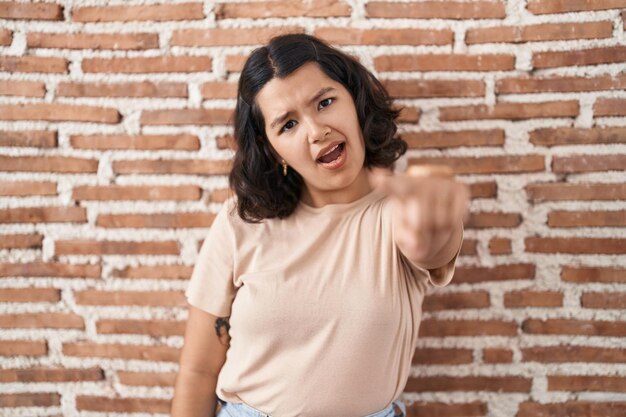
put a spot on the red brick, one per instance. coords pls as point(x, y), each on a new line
point(29, 138)
point(25, 188)
point(121, 351)
point(226, 141)
point(453, 301)
point(155, 272)
point(235, 63)
point(143, 142)
point(528, 84)
point(444, 62)
point(273, 9)
point(177, 166)
point(449, 328)
point(219, 90)
point(575, 245)
point(23, 348)
point(180, 117)
point(30, 295)
point(98, 41)
point(59, 113)
point(572, 408)
point(474, 274)
point(47, 320)
point(50, 374)
point(483, 189)
point(154, 328)
point(471, 409)
point(576, 136)
point(156, 12)
point(497, 355)
point(122, 404)
point(228, 36)
point(21, 241)
point(469, 383)
point(442, 356)
point(22, 88)
point(49, 269)
point(485, 219)
point(575, 327)
point(583, 275)
point(137, 192)
point(588, 163)
point(586, 383)
point(593, 274)
point(6, 37)
point(112, 247)
point(220, 196)
point(616, 300)
point(591, 56)
point(540, 32)
point(147, 379)
point(52, 65)
point(48, 164)
point(583, 354)
point(153, 220)
point(434, 88)
point(564, 6)
point(510, 111)
point(530, 298)
point(499, 246)
point(450, 139)
point(486, 164)
point(30, 11)
point(436, 10)
point(143, 65)
point(130, 298)
point(68, 214)
point(609, 107)
point(130, 89)
point(355, 36)
point(31, 399)
point(408, 114)
point(596, 218)
point(557, 191)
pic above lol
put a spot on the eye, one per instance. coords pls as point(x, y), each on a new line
point(285, 125)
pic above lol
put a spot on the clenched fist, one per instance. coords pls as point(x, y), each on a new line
point(429, 208)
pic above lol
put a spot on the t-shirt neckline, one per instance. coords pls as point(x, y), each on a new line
point(342, 207)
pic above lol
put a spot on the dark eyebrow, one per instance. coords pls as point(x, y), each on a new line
point(315, 97)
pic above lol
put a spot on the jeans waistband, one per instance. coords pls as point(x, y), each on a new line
point(244, 410)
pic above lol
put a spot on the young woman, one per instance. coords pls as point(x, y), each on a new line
point(306, 296)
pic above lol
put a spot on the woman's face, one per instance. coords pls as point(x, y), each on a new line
point(309, 124)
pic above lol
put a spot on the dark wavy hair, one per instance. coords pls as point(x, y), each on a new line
point(256, 177)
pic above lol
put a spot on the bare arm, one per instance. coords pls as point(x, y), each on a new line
point(201, 360)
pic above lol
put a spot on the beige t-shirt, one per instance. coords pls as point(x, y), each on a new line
point(324, 308)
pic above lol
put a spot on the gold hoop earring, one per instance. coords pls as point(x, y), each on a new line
point(284, 168)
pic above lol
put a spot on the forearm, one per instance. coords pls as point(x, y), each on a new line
point(194, 395)
point(442, 258)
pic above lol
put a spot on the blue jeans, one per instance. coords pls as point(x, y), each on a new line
point(244, 410)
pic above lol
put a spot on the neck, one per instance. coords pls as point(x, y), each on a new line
point(361, 186)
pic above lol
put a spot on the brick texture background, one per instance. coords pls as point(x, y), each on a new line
point(114, 153)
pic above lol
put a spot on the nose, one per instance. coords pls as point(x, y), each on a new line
point(317, 131)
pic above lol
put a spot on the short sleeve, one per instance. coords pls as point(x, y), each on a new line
point(211, 287)
point(446, 277)
point(436, 280)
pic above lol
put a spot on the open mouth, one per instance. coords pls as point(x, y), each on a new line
point(334, 156)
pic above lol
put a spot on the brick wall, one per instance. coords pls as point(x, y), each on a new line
point(114, 151)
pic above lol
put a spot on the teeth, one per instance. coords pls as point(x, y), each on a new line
point(336, 146)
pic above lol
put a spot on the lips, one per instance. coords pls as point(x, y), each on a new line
point(326, 149)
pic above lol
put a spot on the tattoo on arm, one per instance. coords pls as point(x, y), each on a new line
point(221, 322)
